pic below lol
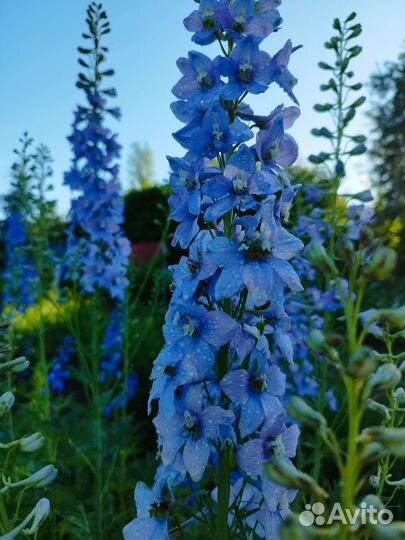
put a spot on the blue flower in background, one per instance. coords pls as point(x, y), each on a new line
point(97, 251)
point(60, 371)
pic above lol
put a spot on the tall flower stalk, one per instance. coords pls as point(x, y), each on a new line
point(97, 256)
point(218, 385)
point(348, 261)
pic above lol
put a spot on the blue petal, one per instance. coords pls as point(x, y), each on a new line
point(196, 454)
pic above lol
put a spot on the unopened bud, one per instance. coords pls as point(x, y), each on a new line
point(391, 439)
point(319, 257)
point(400, 395)
point(16, 365)
point(382, 264)
point(6, 402)
point(32, 443)
point(306, 415)
point(282, 472)
point(362, 363)
point(394, 317)
point(372, 501)
point(379, 407)
point(315, 340)
point(41, 512)
point(385, 378)
point(41, 478)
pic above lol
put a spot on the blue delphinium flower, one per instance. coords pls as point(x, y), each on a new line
point(97, 251)
point(60, 372)
point(218, 383)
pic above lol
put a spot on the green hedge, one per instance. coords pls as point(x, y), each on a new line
point(144, 211)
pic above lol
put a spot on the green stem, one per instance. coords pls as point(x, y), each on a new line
point(224, 488)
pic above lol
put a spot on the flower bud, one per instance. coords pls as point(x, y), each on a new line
point(400, 396)
point(385, 378)
point(6, 402)
point(16, 365)
point(306, 415)
point(41, 478)
point(391, 439)
point(32, 443)
point(379, 407)
point(394, 317)
point(393, 531)
point(362, 363)
point(319, 257)
point(382, 264)
point(315, 340)
point(284, 473)
point(374, 481)
point(373, 501)
point(41, 512)
point(345, 249)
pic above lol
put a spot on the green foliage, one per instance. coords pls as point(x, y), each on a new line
point(145, 213)
point(387, 151)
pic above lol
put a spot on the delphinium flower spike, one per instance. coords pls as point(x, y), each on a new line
point(97, 252)
point(217, 382)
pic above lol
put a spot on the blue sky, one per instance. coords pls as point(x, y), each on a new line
point(38, 67)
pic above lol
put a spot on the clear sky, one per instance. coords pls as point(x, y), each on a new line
point(38, 66)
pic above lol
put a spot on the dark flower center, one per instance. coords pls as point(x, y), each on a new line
point(192, 426)
point(193, 266)
point(238, 27)
point(258, 384)
point(207, 81)
point(159, 510)
point(209, 23)
point(170, 371)
point(255, 252)
point(245, 74)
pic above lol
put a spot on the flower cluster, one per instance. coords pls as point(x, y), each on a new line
point(59, 372)
point(219, 381)
point(97, 253)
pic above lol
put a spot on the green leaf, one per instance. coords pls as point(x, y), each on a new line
point(319, 158)
point(349, 116)
point(357, 86)
point(324, 65)
point(359, 139)
point(352, 16)
point(322, 132)
point(358, 102)
point(336, 25)
point(323, 108)
point(355, 51)
point(356, 30)
point(358, 150)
